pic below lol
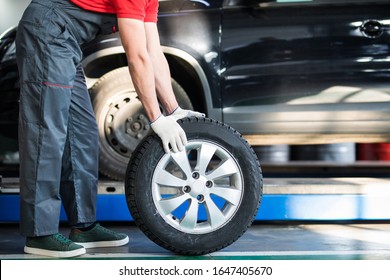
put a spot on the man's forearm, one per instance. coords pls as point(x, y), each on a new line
point(141, 69)
point(143, 80)
point(161, 69)
point(164, 84)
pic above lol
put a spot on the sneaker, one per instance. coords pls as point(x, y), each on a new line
point(55, 245)
point(98, 236)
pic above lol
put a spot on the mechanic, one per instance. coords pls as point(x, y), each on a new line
point(58, 135)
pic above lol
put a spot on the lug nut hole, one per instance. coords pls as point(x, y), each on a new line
point(195, 175)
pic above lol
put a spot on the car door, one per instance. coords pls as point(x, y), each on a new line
point(308, 66)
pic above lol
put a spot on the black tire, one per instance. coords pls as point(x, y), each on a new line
point(217, 163)
point(121, 119)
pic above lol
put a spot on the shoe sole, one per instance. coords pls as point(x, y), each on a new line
point(54, 254)
point(100, 244)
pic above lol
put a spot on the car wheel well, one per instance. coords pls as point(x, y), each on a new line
point(185, 74)
point(104, 64)
point(181, 71)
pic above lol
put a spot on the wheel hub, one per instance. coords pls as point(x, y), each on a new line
point(198, 187)
point(124, 131)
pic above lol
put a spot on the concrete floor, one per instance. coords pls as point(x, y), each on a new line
point(358, 241)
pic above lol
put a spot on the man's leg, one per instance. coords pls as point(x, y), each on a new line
point(80, 159)
point(80, 173)
point(46, 70)
point(46, 60)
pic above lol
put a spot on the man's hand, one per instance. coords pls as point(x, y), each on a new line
point(179, 113)
point(170, 132)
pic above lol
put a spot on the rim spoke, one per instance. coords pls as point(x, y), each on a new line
point(165, 178)
point(168, 205)
point(214, 213)
point(227, 168)
point(181, 159)
point(205, 153)
point(191, 216)
point(231, 195)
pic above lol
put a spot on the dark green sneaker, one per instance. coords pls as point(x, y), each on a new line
point(56, 245)
point(98, 236)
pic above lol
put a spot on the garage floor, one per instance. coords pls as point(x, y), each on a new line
point(366, 241)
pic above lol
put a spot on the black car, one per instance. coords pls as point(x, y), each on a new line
point(278, 71)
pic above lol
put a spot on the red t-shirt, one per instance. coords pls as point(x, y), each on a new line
point(145, 10)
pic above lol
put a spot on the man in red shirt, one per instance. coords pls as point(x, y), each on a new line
point(58, 136)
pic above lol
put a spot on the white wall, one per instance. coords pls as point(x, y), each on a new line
point(10, 12)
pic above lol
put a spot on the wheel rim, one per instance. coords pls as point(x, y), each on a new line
point(123, 131)
point(198, 190)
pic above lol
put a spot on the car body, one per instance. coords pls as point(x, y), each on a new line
point(278, 71)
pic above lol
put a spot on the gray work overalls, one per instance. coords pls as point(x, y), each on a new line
point(58, 136)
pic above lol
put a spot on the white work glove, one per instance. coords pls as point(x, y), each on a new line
point(179, 113)
point(170, 132)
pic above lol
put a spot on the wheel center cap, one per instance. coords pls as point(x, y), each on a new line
point(198, 187)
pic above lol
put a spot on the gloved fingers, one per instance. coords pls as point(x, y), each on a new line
point(166, 146)
point(195, 114)
point(170, 133)
point(179, 141)
point(183, 137)
point(179, 113)
point(173, 144)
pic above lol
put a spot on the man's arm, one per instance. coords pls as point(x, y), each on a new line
point(134, 38)
point(141, 69)
point(161, 68)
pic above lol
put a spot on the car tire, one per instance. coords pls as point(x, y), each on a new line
point(199, 200)
point(121, 119)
